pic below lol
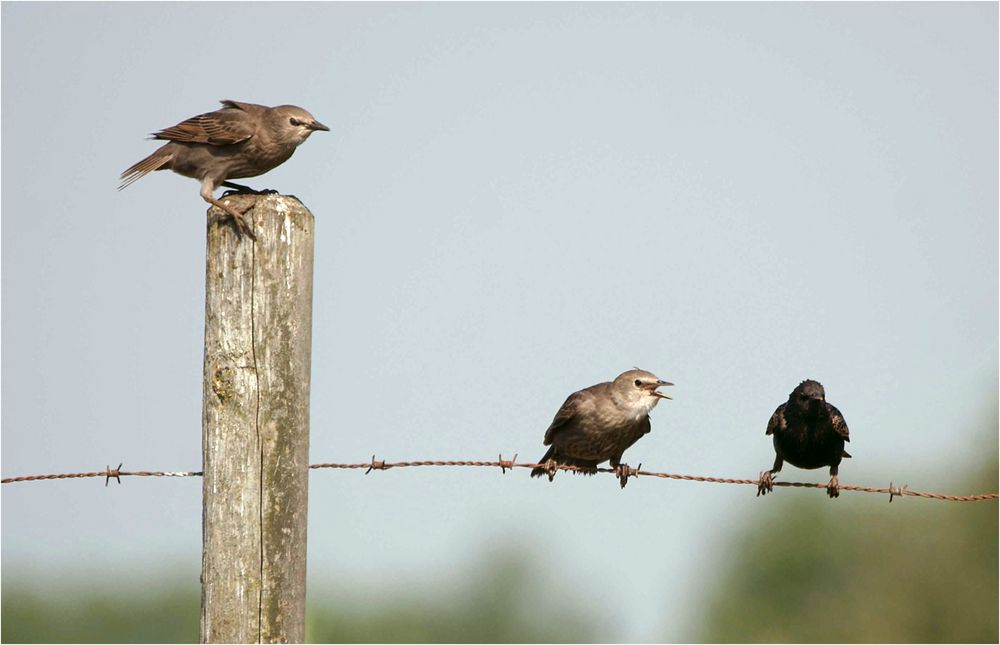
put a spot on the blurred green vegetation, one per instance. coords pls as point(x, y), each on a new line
point(500, 601)
point(165, 613)
point(503, 602)
point(809, 570)
point(802, 569)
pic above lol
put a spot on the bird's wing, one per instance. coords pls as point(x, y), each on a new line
point(645, 427)
point(777, 422)
point(837, 419)
point(240, 105)
point(220, 128)
point(570, 408)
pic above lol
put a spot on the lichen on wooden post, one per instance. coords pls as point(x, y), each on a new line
point(255, 424)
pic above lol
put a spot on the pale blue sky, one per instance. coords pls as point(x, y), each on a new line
point(515, 201)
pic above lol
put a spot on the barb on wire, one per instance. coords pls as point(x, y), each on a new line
point(504, 465)
point(108, 474)
point(116, 473)
point(892, 490)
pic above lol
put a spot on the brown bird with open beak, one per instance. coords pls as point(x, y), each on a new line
point(240, 140)
point(600, 422)
point(808, 433)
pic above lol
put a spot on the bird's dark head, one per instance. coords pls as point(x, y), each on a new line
point(808, 395)
point(294, 123)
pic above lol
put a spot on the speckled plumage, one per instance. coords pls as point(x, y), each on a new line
point(808, 433)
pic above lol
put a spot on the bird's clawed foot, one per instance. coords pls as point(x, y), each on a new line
point(765, 484)
point(243, 227)
point(239, 189)
point(239, 221)
point(624, 471)
point(249, 191)
point(833, 488)
point(243, 224)
point(550, 469)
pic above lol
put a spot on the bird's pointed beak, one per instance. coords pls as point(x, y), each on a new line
point(661, 394)
point(316, 125)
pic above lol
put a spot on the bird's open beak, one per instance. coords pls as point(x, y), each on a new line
point(661, 394)
point(316, 125)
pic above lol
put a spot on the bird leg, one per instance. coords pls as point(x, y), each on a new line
point(833, 488)
point(240, 189)
point(242, 226)
point(766, 483)
point(550, 467)
point(622, 471)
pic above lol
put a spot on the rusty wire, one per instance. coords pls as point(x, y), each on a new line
point(892, 490)
point(108, 474)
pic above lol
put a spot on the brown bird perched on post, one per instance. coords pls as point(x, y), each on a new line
point(240, 140)
point(808, 433)
point(600, 422)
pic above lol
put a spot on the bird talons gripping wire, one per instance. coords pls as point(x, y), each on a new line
point(765, 483)
point(375, 465)
point(894, 491)
point(504, 465)
point(551, 468)
point(116, 473)
point(624, 471)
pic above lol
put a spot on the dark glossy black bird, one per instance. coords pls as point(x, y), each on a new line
point(808, 433)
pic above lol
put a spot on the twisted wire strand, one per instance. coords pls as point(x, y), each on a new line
point(108, 474)
point(892, 491)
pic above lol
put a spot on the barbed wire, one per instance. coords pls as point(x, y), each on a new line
point(108, 474)
point(892, 490)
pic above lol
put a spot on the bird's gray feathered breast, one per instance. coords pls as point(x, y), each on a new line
point(588, 426)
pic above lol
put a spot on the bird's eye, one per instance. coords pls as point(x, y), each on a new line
point(294, 121)
point(638, 383)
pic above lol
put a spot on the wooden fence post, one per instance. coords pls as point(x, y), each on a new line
point(255, 423)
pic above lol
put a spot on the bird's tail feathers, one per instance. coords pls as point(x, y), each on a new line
point(587, 466)
point(153, 162)
point(846, 455)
